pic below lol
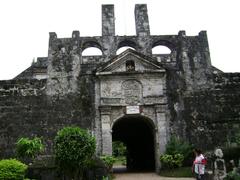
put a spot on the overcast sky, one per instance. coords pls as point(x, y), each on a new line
point(25, 26)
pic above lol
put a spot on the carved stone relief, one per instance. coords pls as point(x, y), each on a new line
point(132, 92)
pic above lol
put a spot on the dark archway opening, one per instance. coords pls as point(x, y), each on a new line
point(137, 134)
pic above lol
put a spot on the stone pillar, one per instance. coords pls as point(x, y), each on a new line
point(143, 29)
point(52, 37)
point(76, 59)
point(108, 20)
point(204, 61)
point(162, 126)
point(161, 132)
point(106, 131)
point(108, 30)
point(204, 47)
point(141, 20)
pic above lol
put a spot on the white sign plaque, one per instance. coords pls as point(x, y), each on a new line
point(132, 110)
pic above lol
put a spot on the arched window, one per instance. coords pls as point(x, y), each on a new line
point(92, 51)
point(160, 49)
point(124, 48)
point(130, 65)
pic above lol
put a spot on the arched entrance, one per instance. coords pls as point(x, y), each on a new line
point(137, 133)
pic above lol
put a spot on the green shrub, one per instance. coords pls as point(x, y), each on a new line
point(178, 146)
point(119, 149)
point(108, 161)
point(233, 175)
point(29, 148)
point(170, 161)
point(73, 148)
point(12, 169)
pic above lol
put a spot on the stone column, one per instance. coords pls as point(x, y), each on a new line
point(143, 29)
point(205, 48)
point(161, 132)
point(162, 126)
point(108, 30)
point(106, 131)
point(141, 20)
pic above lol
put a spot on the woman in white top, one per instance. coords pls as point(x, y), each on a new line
point(199, 165)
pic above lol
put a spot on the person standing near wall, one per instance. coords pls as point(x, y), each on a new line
point(199, 165)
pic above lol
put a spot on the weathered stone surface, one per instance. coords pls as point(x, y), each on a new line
point(27, 111)
point(214, 112)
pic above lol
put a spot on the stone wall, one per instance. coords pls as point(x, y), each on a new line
point(26, 111)
point(212, 116)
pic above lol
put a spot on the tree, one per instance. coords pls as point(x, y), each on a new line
point(73, 148)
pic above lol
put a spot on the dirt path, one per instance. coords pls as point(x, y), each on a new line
point(144, 176)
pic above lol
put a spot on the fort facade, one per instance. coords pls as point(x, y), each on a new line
point(136, 97)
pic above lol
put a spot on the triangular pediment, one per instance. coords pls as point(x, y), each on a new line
point(141, 63)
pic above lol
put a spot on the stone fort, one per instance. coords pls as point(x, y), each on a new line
point(137, 97)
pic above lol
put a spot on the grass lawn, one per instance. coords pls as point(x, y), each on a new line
point(178, 172)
